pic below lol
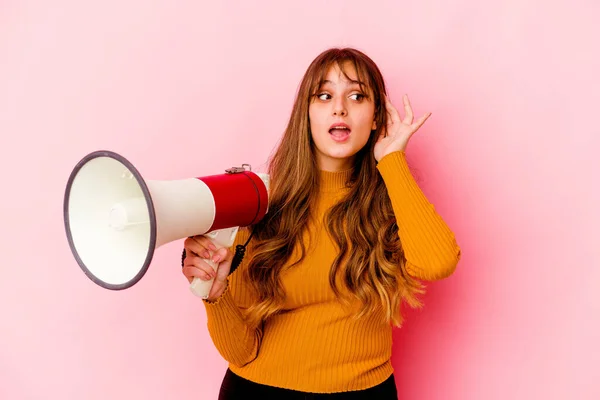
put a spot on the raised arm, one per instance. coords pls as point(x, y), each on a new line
point(429, 245)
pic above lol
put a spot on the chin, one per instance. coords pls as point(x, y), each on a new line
point(342, 155)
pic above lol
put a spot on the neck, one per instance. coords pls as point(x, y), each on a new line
point(331, 164)
point(334, 181)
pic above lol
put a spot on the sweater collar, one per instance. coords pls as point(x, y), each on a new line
point(334, 181)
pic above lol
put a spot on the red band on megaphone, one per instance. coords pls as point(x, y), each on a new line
point(241, 199)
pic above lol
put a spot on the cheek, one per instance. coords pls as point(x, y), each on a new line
point(364, 139)
point(363, 131)
point(315, 121)
point(365, 123)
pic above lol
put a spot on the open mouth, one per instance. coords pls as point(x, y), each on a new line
point(340, 132)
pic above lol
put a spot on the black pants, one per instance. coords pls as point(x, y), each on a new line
point(237, 388)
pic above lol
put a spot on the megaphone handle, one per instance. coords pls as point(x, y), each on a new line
point(201, 288)
point(220, 238)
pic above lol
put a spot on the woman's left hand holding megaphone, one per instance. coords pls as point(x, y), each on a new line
point(199, 248)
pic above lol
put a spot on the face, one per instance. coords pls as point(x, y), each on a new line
point(341, 118)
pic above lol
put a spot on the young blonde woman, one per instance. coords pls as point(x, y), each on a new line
point(348, 238)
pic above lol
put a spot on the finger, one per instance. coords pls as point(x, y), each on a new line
point(421, 121)
point(394, 116)
point(224, 258)
point(193, 272)
point(206, 267)
point(197, 247)
point(199, 263)
point(223, 254)
point(204, 241)
point(408, 112)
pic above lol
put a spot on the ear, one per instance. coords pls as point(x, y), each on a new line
point(374, 126)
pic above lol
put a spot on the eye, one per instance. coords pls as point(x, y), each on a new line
point(323, 96)
point(357, 96)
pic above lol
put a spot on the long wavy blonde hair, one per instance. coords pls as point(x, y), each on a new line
point(370, 261)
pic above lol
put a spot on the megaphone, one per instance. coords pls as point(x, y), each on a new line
point(115, 220)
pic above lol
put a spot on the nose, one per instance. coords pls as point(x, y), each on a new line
point(339, 108)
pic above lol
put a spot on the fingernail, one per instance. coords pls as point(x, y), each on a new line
point(206, 254)
point(216, 258)
point(212, 247)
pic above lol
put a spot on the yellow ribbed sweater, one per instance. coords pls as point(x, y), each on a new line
point(316, 345)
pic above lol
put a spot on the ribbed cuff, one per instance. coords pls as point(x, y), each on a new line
point(218, 299)
point(221, 310)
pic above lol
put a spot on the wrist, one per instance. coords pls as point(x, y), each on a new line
point(217, 296)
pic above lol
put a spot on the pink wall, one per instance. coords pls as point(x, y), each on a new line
point(509, 157)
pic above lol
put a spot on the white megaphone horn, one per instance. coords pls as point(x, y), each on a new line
point(114, 219)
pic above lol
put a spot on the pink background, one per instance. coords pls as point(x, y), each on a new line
point(509, 158)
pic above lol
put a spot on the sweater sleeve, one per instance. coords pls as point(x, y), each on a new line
point(429, 245)
point(236, 341)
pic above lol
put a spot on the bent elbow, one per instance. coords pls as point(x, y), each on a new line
point(442, 268)
point(242, 361)
point(446, 269)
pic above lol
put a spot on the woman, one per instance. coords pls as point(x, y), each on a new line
point(349, 236)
